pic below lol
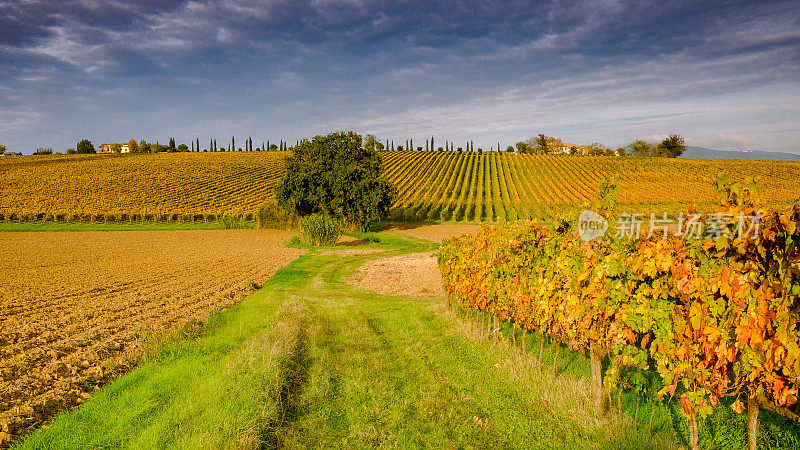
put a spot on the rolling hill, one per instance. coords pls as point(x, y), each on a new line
point(436, 186)
point(707, 153)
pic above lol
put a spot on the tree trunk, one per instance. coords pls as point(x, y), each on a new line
point(595, 365)
point(752, 423)
point(693, 437)
point(619, 399)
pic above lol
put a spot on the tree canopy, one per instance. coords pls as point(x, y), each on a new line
point(2, 149)
point(671, 147)
point(640, 147)
point(336, 175)
point(85, 146)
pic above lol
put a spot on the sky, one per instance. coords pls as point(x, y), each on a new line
point(722, 74)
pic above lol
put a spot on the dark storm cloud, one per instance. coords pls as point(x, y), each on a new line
point(406, 56)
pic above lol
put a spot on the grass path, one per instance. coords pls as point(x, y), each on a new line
point(311, 361)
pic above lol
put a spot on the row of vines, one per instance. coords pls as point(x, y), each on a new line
point(490, 187)
point(432, 186)
point(696, 321)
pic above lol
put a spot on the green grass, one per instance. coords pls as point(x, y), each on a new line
point(115, 226)
point(311, 361)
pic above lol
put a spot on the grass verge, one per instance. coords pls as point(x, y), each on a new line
point(312, 361)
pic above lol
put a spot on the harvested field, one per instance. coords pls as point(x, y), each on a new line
point(436, 233)
point(408, 274)
point(76, 308)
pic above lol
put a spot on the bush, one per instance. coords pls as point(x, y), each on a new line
point(231, 222)
point(367, 236)
point(320, 229)
point(271, 215)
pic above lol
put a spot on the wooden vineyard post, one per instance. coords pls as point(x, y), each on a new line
point(752, 423)
point(514, 334)
point(555, 358)
point(541, 351)
point(693, 436)
point(595, 365)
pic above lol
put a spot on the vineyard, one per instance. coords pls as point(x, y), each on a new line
point(433, 186)
point(703, 322)
point(77, 309)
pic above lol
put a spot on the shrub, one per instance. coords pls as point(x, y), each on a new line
point(320, 229)
point(367, 236)
point(231, 222)
point(271, 215)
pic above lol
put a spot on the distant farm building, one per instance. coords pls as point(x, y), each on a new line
point(109, 148)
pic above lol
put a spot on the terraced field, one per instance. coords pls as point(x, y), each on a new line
point(435, 186)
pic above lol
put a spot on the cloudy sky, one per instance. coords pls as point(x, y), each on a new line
point(723, 74)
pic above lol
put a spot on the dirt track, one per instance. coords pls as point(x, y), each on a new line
point(409, 274)
point(74, 304)
point(436, 233)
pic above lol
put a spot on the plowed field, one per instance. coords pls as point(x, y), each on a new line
point(78, 307)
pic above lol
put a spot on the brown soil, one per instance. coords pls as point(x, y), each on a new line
point(436, 233)
point(409, 274)
point(73, 303)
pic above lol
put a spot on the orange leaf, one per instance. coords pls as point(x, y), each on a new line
point(687, 407)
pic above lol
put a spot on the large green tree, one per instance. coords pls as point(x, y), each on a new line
point(335, 174)
point(85, 146)
point(671, 147)
point(640, 147)
point(2, 149)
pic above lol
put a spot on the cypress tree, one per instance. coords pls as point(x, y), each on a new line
point(406, 144)
point(198, 144)
point(268, 145)
point(426, 145)
point(412, 143)
point(433, 147)
point(192, 144)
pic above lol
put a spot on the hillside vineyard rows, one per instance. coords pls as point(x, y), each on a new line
point(76, 308)
point(436, 186)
